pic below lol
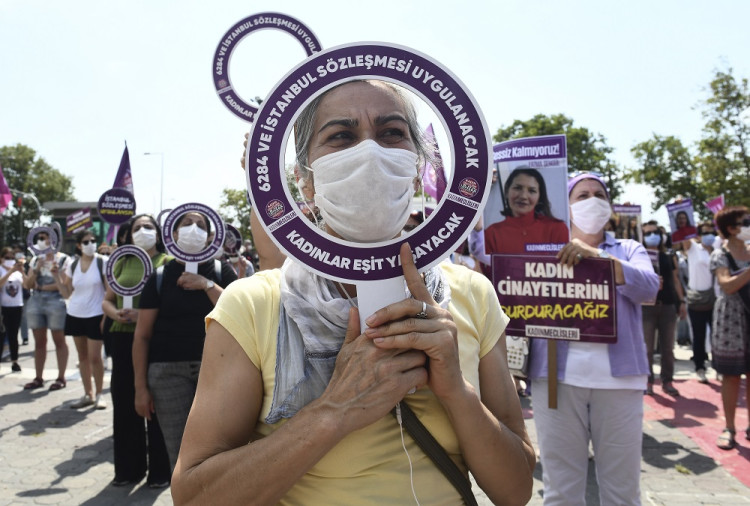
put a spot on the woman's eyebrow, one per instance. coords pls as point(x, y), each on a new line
point(381, 120)
point(345, 122)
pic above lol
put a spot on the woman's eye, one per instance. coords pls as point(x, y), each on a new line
point(340, 137)
point(393, 134)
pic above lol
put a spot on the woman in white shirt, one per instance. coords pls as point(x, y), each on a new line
point(11, 299)
point(84, 284)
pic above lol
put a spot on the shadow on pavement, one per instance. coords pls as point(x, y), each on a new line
point(59, 418)
point(84, 458)
point(669, 455)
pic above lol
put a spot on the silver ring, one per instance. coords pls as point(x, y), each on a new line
point(422, 315)
point(579, 257)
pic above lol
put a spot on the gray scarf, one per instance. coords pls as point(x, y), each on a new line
point(313, 317)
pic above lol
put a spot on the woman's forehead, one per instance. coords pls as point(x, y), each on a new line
point(359, 98)
point(588, 185)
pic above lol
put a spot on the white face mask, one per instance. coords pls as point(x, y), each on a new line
point(744, 234)
point(41, 245)
point(590, 215)
point(89, 249)
point(191, 239)
point(364, 192)
point(8, 264)
point(144, 238)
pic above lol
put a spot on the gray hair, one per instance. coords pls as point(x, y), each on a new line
point(306, 122)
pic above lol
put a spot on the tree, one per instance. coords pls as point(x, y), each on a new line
point(587, 151)
point(235, 208)
point(719, 163)
point(29, 175)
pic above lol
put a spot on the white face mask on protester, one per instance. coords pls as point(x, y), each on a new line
point(744, 234)
point(364, 192)
point(41, 245)
point(191, 239)
point(8, 264)
point(89, 249)
point(144, 238)
point(590, 215)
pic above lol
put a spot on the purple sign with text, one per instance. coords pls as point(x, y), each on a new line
point(128, 250)
point(545, 299)
point(78, 221)
point(241, 29)
point(173, 219)
point(116, 206)
point(347, 261)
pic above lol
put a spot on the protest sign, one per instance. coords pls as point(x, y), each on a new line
point(682, 220)
point(716, 204)
point(527, 210)
point(233, 241)
point(193, 259)
point(627, 222)
point(229, 41)
point(116, 206)
point(546, 299)
point(55, 240)
point(343, 260)
point(128, 292)
point(79, 220)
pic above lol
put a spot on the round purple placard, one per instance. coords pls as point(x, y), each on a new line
point(120, 252)
point(446, 227)
point(243, 28)
point(174, 216)
point(233, 242)
point(161, 215)
point(54, 240)
point(116, 206)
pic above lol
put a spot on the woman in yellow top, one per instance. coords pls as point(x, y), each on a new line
point(318, 430)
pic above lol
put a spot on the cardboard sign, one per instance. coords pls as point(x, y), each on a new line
point(628, 223)
point(545, 299)
point(682, 220)
point(193, 259)
point(261, 21)
point(54, 240)
point(527, 210)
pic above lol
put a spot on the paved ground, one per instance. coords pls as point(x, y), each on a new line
point(51, 454)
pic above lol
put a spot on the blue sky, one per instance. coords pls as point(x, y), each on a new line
point(80, 77)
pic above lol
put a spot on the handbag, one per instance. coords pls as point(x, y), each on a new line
point(518, 355)
point(701, 300)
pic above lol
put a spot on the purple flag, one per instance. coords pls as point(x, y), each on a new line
point(433, 178)
point(123, 179)
point(5, 195)
point(716, 204)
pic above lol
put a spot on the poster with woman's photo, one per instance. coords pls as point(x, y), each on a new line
point(626, 222)
point(527, 211)
point(682, 220)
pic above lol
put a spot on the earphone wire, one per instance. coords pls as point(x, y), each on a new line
point(408, 457)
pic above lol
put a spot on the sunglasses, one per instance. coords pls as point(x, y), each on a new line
point(744, 223)
point(8, 258)
point(708, 233)
point(88, 241)
point(646, 234)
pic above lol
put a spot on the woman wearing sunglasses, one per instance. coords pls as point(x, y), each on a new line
point(84, 284)
point(730, 348)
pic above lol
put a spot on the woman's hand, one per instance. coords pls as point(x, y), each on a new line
point(127, 315)
point(400, 326)
point(144, 403)
point(190, 281)
point(368, 381)
point(575, 251)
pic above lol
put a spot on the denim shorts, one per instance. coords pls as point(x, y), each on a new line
point(46, 310)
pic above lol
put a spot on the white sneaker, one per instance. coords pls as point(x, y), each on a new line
point(100, 403)
point(702, 376)
point(82, 402)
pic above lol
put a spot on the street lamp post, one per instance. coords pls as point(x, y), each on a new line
point(161, 185)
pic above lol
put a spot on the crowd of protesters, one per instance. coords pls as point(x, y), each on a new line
point(156, 341)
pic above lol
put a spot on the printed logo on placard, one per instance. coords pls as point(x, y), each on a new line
point(223, 83)
point(275, 209)
point(468, 187)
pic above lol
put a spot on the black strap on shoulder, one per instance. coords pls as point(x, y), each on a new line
point(217, 270)
point(437, 453)
point(159, 278)
point(73, 265)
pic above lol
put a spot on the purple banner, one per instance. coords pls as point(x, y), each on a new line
point(545, 299)
point(78, 221)
point(682, 220)
point(530, 148)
